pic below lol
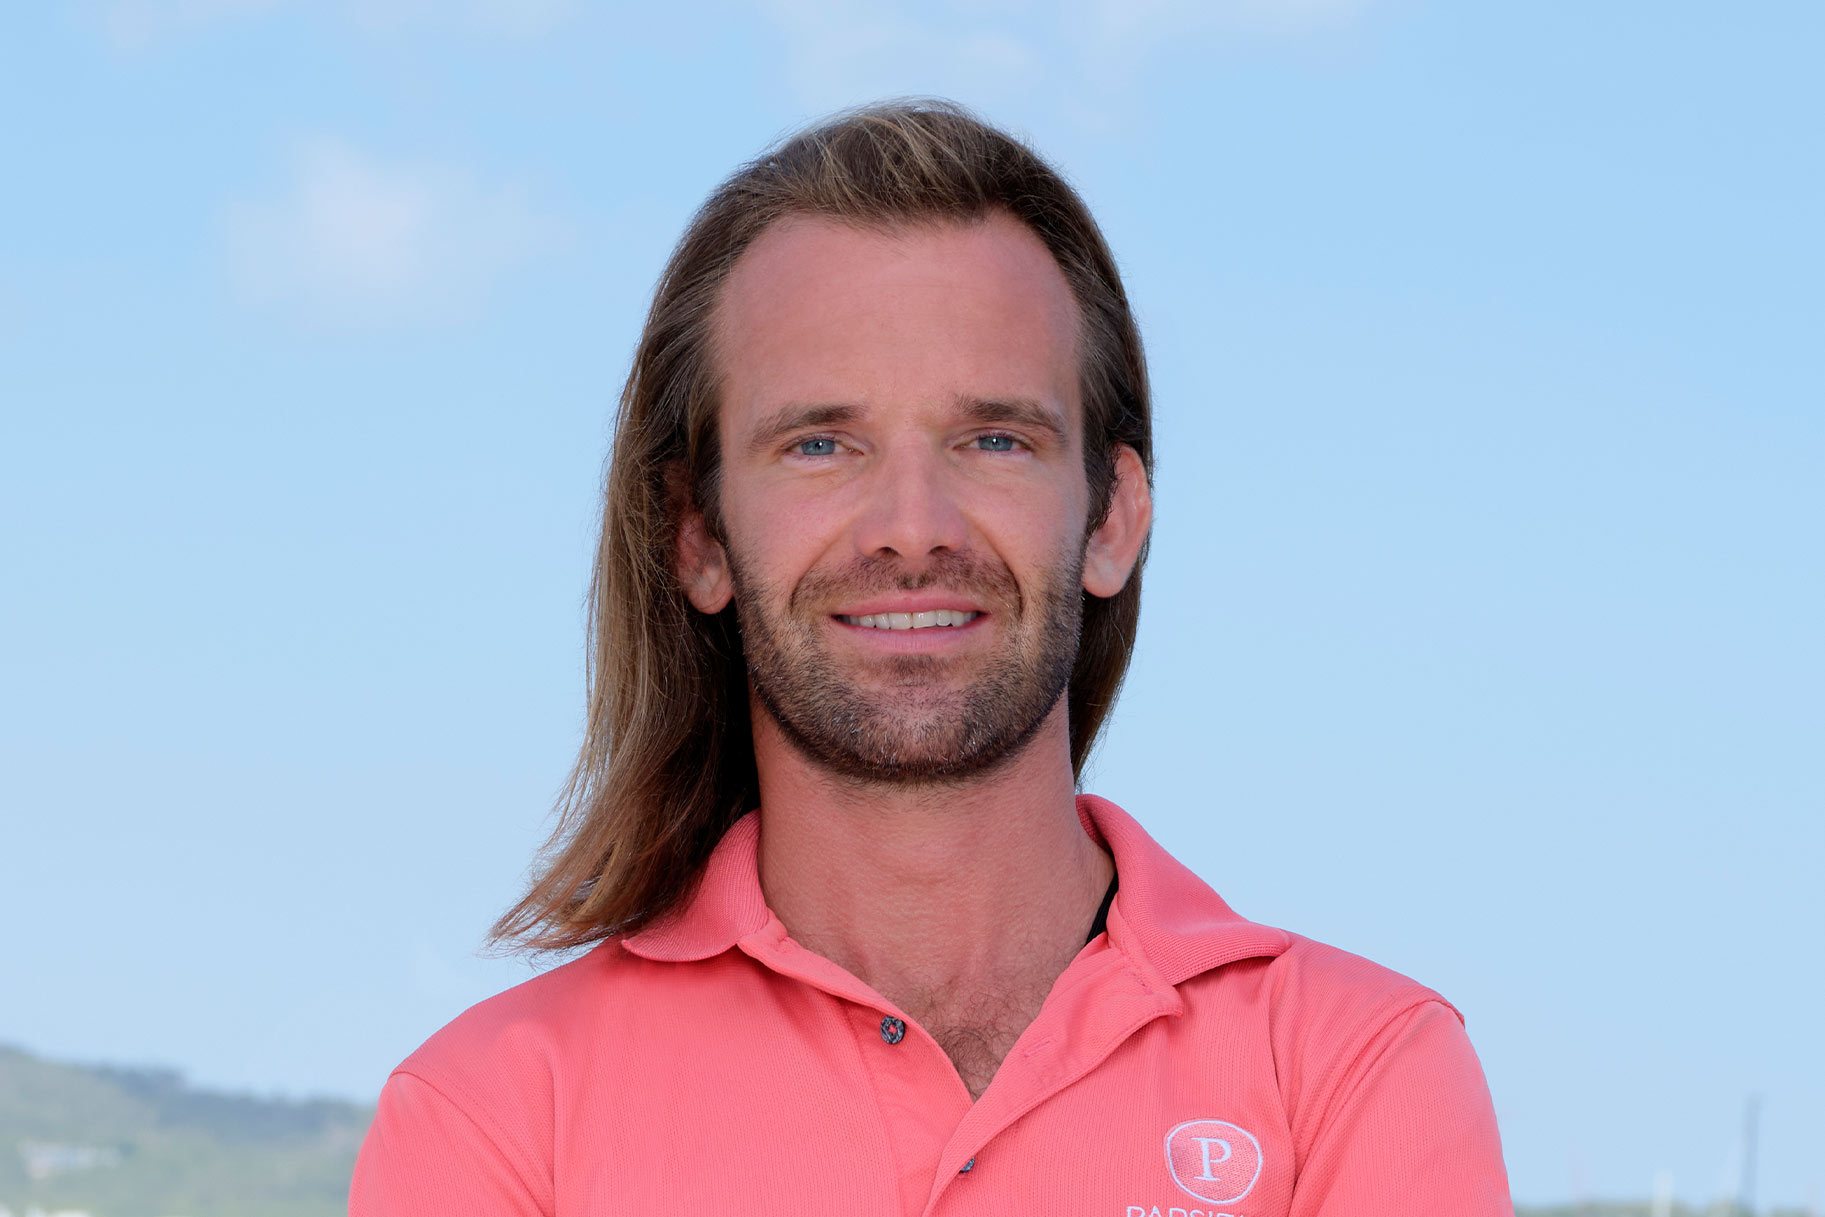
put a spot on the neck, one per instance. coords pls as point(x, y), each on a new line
point(982, 889)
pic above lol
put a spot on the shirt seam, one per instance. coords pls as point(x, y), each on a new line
point(1317, 1114)
point(492, 1136)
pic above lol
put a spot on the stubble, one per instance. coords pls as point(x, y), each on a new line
point(909, 719)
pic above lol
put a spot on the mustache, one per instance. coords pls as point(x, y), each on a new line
point(951, 571)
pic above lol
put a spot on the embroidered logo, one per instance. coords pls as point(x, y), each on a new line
point(1213, 1160)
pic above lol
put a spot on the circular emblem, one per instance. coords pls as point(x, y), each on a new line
point(1213, 1160)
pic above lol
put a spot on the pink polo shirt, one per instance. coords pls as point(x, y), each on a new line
point(1188, 1063)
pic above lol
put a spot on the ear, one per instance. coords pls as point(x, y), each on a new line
point(1116, 544)
point(703, 565)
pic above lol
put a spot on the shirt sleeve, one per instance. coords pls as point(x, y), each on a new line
point(1409, 1129)
point(425, 1156)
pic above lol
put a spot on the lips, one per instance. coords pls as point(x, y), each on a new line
point(924, 619)
point(952, 590)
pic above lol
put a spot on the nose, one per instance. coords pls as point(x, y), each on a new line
point(911, 508)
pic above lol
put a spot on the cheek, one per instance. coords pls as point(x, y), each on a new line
point(789, 517)
point(1043, 550)
point(775, 543)
point(1043, 518)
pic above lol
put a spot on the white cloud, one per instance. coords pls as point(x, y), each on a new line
point(356, 240)
point(136, 24)
point(487, 18)
point(1163, 18)
point(1128, 27)
point(844, 51)
point(133, 25)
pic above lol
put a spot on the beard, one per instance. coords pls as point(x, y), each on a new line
point(918, 724)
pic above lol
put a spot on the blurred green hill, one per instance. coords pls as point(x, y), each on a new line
point(114, 1142)
point(1599, 1208)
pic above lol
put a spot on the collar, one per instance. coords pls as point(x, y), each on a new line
point(1163, 914)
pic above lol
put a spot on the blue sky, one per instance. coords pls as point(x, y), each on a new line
point(1482, 632)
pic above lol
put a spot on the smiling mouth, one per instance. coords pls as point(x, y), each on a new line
point(933, 619)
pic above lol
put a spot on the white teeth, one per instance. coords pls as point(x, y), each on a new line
point(912, 621)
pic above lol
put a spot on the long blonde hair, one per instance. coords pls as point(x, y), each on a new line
point(667, 763)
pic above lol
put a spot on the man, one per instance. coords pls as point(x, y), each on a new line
point(868, 581)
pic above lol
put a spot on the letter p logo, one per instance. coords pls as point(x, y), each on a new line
point(1213, 1160)
point(1224, 1153)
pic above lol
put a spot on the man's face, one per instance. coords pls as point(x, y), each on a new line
point(903, 491)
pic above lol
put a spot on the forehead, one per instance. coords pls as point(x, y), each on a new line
point(816, 310)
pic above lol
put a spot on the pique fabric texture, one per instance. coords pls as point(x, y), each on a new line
point(1189, 1063)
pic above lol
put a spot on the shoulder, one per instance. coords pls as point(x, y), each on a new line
point(511, 1049)
point(1321, 992)
point(466, 1122)
point(1348, 1033)
point(1385, 1098)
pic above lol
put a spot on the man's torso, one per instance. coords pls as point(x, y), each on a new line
point(1187, 1061)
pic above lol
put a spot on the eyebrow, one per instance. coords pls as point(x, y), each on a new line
point(783, 422)
point(1022, 412)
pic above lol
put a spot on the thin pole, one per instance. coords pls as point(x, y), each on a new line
point(1746, 1191)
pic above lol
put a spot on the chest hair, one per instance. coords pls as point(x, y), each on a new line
point(979, 1031)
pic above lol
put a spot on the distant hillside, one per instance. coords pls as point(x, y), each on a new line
point(115, 1142)
point(1600, 1208)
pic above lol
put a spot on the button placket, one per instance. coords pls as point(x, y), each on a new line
point(920, 1098)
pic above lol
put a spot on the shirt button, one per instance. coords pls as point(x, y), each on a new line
point(965, 1168)
point(892, 1029)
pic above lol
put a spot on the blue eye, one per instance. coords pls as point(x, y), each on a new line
point(996, 443)
point(821, 446)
